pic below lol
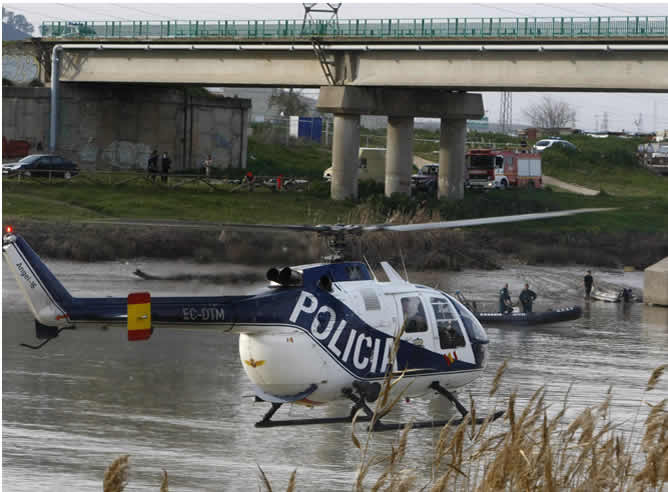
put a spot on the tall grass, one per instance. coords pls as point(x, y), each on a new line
point(532, 449)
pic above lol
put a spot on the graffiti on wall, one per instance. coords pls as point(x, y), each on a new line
point(223, 142)
point(20, 69)
point(127, 155)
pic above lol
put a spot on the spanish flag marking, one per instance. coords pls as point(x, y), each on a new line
point(139, 316)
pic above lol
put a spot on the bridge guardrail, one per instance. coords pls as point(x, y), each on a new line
point(470, 28)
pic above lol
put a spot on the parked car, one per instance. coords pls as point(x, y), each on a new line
point(42, 165)
point(426, 179)
point(546, 143)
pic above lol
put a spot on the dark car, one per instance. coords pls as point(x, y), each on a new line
point(42, 165)
point(426, 179)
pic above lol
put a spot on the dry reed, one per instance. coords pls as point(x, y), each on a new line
point(116, 476)
point(529, 450)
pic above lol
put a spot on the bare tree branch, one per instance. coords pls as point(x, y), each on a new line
point(549, 113)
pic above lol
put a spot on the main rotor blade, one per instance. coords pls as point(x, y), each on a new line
point(344, 228)
point(450, 224)
point(178, 224)
point(184, 224)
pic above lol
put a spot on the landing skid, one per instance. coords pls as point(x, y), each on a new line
point(359, 401)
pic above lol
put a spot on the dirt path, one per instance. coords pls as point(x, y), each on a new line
point(581, 190)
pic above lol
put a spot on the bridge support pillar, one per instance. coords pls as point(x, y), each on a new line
point(401, 105)
point(345, 156)
point(399, 155)
point(452, 159)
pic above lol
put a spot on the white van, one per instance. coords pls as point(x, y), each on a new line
point(371, 165)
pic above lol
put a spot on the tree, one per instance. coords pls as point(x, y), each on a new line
point(289, 103)
point(549, 113)
point(17, 21)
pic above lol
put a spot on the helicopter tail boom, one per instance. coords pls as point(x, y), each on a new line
point(47, 298)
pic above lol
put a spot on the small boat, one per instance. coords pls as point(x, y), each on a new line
point(612, 295)
point(516, 318)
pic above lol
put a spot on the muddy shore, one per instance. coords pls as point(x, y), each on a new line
point(446, 250)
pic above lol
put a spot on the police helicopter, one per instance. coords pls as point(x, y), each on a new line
point(316, 333)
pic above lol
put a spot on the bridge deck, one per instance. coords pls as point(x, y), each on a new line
point(430, 29)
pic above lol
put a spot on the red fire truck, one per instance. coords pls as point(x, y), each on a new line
point(488, 169)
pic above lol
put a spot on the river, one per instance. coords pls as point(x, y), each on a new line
point(180, 402)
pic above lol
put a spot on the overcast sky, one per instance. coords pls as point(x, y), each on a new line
point(622, 109)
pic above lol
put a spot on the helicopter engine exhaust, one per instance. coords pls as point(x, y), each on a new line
point(288, 276)
point(272, 275)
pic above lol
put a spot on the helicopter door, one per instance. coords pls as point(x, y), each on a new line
point(414, 318)
point(449, 336)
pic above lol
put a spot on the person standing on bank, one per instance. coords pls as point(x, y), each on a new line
point(208, 164)
point(166, 164)
point(153, 165)
point(505, 304)
point(527, 296)
point(588, 283)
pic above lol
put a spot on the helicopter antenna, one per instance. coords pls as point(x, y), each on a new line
point(403, 263)
point(368, 265)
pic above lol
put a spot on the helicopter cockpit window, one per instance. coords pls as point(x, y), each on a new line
point(354, 273)
point(472, 325)
point(414, 317)
point(449, 332)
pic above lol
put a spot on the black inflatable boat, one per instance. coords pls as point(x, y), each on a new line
point(552, 316)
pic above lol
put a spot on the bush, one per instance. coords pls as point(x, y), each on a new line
point(368, 187)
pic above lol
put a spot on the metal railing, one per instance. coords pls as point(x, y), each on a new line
point(469, 28)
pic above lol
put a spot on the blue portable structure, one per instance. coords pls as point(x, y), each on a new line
point(310, 128)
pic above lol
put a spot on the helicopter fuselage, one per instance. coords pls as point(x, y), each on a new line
point(311, 334)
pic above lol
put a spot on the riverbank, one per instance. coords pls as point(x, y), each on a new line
point(488, 248)
point(52, 218)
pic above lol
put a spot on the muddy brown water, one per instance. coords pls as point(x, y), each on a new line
point(180, 401)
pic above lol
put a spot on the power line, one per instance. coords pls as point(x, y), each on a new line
point(78, 8)
point(482, 5)
point(614, 8)
point(125, 6)
point(561, 8)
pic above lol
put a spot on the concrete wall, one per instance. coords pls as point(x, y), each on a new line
point(25, 115)
point(106, 126)
point(655, 290)
point(219, 128)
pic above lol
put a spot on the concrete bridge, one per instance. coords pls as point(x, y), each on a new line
point(398, 68)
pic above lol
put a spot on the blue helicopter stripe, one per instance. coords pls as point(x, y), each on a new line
point(357, 346)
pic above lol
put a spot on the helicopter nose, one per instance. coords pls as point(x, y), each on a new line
point(480, 352)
